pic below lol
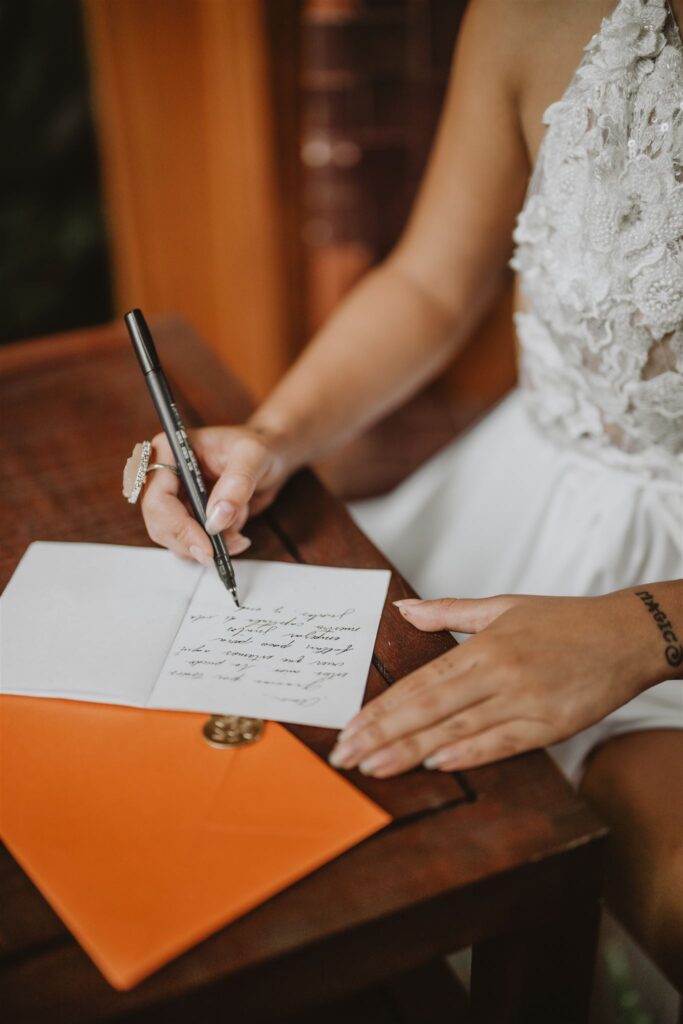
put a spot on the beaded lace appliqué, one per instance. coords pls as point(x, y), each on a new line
point(599, 247)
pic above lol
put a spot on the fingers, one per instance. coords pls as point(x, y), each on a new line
point(235, 486)
point(471, 706)
point(244, 466)
point(413, 749)
point(170, 524)
point(168, 521)
point(502, 740)
point(166, 518)
point(457, 614)
point(446, 667)
point(479, 735)
point(418, 702)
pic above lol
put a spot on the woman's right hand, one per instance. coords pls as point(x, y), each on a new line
point(248, 470)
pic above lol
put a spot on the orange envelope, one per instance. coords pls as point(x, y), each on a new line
point(145, 839)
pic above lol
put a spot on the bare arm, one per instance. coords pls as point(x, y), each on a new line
point(403, 322)
point(401, 325)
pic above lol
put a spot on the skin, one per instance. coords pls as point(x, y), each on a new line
point(536, 671)
point(633, 781)
point(539, 669)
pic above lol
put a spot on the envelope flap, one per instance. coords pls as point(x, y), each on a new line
point(297, 799)
point(145, 839)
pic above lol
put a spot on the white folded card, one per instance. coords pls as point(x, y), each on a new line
point(138, 626)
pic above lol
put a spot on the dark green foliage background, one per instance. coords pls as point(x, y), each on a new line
point(54, 271)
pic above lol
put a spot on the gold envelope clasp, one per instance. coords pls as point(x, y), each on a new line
point(232, 730)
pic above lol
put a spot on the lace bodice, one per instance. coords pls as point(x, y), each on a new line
point(599, 248)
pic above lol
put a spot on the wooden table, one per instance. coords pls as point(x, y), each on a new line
point(505, 858)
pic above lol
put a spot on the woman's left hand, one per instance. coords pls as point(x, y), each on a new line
point(538, 670)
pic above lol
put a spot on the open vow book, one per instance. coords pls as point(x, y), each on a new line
point(140, 627)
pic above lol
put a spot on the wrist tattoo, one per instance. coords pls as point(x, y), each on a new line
point(673, 652)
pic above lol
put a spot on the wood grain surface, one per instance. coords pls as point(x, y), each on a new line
point(504, 851)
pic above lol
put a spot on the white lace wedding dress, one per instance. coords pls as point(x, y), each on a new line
point(573, 485)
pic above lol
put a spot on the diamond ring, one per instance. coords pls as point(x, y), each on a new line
point(136, 469)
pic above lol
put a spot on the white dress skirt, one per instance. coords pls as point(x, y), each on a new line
point(505, 510)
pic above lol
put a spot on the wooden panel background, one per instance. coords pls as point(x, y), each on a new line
point(184, 118)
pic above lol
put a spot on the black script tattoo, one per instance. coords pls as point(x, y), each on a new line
point(673, 650)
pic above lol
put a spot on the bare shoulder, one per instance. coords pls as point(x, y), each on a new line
point(535, 46)
point(513, 58)
point(523, 28)
point(528, 37)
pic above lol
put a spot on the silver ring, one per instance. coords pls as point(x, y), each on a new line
point(136, 469)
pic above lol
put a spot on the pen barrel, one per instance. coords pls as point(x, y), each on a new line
point(141, 339)
point(185, 458)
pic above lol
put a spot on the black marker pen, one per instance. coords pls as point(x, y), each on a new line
point(186, 460)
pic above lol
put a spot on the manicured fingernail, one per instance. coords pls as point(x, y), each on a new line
point(238, 544)
point(440, 760)
point(220, 517)
point(200, 556)
point(343, 756)
point(431, 762)
point(377, 764)
point(406, 602)
point(348, 731)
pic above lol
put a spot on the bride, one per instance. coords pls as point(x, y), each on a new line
point(573, 486)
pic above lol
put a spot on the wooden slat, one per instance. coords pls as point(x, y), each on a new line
point(27, 922)
point(429, 994)
point(184, 121)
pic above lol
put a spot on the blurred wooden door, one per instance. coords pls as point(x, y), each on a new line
point(185, 123)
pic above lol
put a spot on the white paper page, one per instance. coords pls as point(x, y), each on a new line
point(298, 650)
point(92, 621)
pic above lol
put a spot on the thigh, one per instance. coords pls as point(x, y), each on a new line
point(636, 782)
